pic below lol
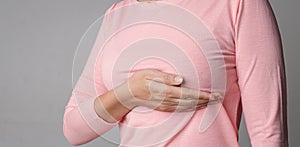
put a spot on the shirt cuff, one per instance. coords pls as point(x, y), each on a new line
point(96, 123)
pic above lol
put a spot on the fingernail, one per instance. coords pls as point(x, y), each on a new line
point(178, 79)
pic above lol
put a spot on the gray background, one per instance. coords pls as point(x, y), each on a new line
point(38, 39)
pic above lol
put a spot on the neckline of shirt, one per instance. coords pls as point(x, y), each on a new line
point(157, 1)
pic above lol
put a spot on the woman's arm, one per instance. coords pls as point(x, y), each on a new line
point(261, 73)
point(81, 123)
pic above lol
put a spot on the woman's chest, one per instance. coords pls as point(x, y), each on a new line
point(194, 46)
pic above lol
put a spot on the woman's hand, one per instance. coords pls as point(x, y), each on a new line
point(161, 91)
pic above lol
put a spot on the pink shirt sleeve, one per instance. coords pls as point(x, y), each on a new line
point(81, 123)
point(261, 73)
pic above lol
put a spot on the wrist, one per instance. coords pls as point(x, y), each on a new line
point(124, 96)
point(101, 111)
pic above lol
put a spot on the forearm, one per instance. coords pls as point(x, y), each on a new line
point(83, 124)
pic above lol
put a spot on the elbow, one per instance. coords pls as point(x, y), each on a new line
point(71, 138)
point(75, 129)
point(72, 141)
point(71, 135)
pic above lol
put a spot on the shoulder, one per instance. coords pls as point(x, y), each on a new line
point(119, 4)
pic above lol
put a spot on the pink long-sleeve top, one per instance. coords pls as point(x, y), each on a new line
point(232, 46)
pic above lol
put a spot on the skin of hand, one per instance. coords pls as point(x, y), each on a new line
point(153, 89)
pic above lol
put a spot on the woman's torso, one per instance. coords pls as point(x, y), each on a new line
point(193, 38)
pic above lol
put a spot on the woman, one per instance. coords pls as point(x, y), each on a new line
point(109, 90)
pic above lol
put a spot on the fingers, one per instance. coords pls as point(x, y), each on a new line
point(186, 93)
point(167, 108)
point(167, 91)
point(177, 105)
point(184, 102)
point(183, 108)
point(163, 77)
